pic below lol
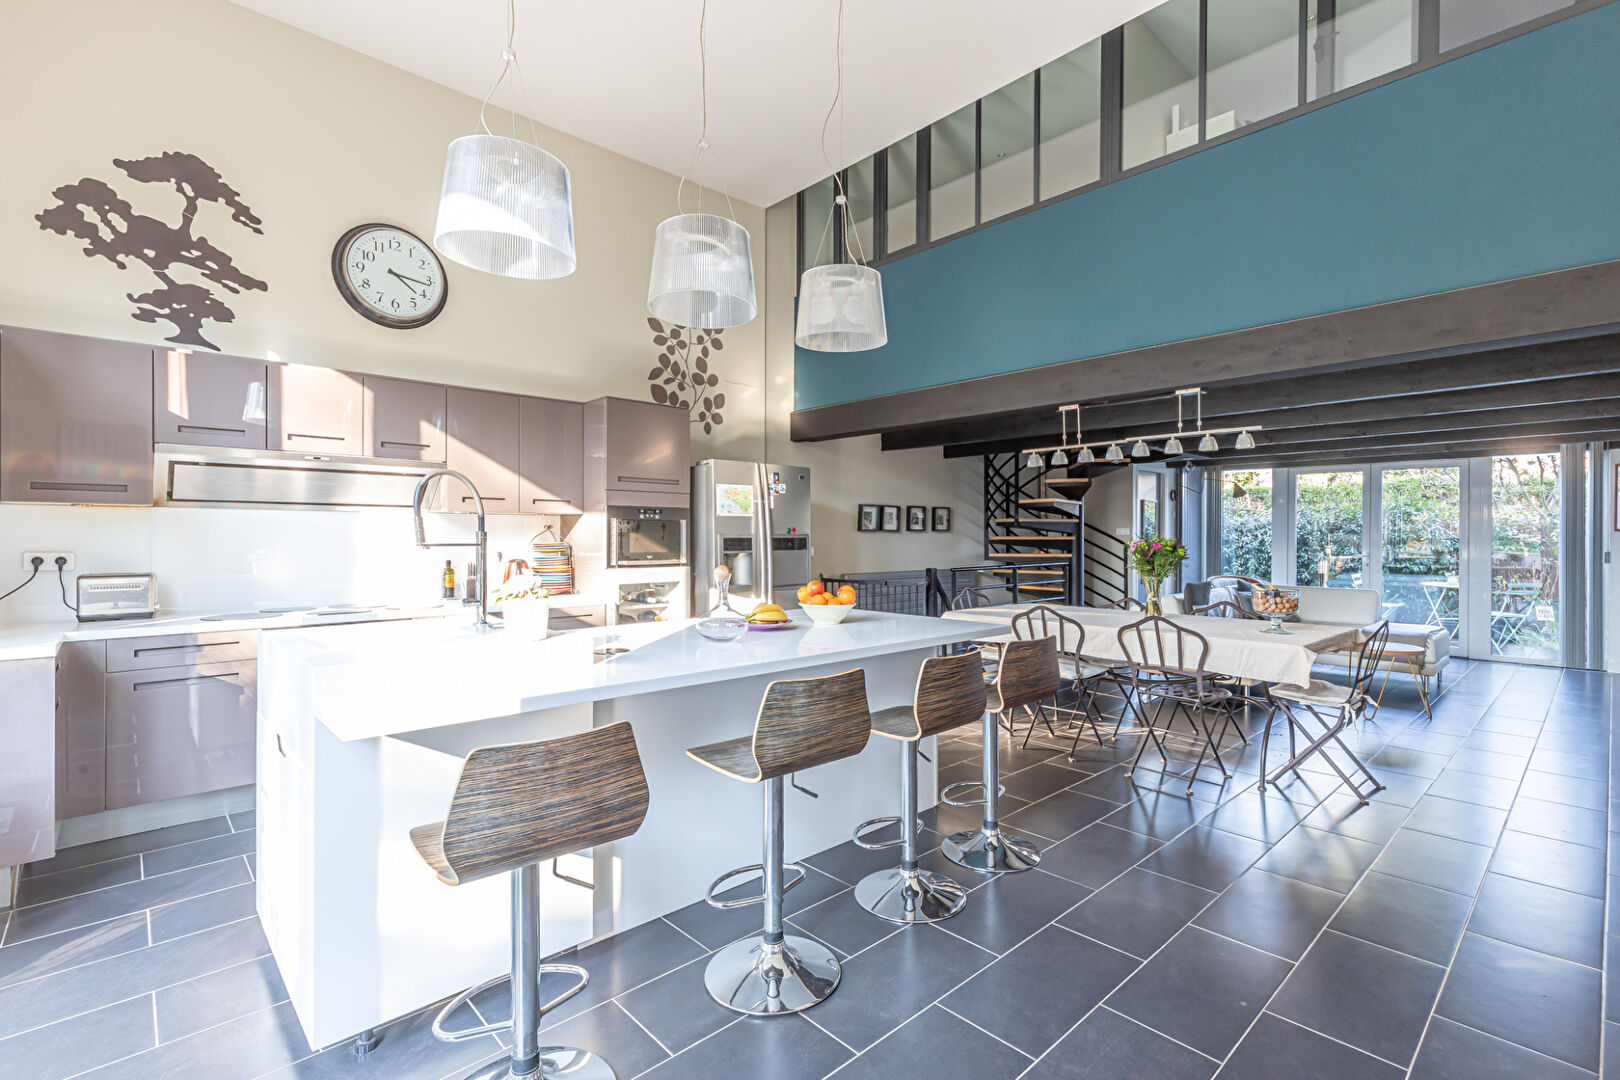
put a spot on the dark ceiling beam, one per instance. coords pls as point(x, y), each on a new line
point(1375, 455)
point(1426, 413)
point(1579, 302)
point(1499, 370)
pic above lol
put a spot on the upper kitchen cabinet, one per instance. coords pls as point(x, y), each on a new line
point(482, 444)
point(638, 448)
point(75, 419)
point(404, 419)
point(315, 410)
point(550, 451)
point(204, 399)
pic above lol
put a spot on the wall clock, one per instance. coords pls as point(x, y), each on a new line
point(389, 275)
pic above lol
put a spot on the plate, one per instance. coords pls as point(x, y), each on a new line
point(789, 625)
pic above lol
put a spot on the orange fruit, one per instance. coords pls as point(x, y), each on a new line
point(816, 588)
point(846, 594)
point(804, 593)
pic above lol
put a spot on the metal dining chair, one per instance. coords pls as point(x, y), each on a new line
point(1042, 621)
point(1167, 671)
point(1333, 708)
point(1226, 609)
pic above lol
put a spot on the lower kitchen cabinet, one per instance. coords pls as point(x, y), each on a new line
point(81, 728)
point(179, 731)
point(27, 767)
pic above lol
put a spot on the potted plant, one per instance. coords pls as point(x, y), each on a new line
point(524, 603)
point(1155, 558)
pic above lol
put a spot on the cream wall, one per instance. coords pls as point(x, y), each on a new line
point(317, 139)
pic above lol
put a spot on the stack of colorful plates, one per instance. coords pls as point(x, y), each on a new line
point(553, 564)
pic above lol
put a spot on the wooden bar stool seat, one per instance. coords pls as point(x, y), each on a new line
point(950, 693)
point(802, 723)
point(1026, 675)
point(514, 807)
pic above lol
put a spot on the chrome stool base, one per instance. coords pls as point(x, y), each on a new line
point(753, 977)
point(910, 896)
point(990, 851)
point(569, 1061)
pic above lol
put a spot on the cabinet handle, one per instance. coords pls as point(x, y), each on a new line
point(60, 485)
point(185, 648)
point(404, 445)
point(323, 438)
point(186, 679)
point(487, 498)
point(204, 429)
point(647, 480)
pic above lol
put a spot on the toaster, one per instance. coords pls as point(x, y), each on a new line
point(116, 596)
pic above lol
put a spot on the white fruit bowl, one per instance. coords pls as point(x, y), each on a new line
point(827, 614)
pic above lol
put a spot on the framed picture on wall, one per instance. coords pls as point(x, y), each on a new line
point(916, 519)
point(942, 519)
point(866, 517)
point(891, 519)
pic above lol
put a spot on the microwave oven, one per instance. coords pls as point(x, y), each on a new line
point(646, 535)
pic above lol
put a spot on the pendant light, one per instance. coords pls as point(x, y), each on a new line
point(1140, 449)
point(1085, 457)
point(1172, 445)
point(840, 304)
point(1035, 461)
point(506, 206)
point(1208, 445)
point(1245, 441)
point(702, 265)
point(1114, 454)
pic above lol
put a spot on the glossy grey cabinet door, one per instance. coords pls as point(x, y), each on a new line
point(28, 778)
point(550, 448)
point(75, 419)
point(649, 447)
point(482, 443)
point(404, 419)
point(204, 399)
point(81, 728)
point(315, 410)
point(179, 731)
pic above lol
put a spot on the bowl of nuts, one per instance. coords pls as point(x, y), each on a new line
point(1276, 605)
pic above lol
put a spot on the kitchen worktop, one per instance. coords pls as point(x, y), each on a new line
point(36, 640)
point(412, 676)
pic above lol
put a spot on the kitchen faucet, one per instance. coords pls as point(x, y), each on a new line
point(481, 541)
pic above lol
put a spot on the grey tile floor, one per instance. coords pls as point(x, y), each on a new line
point(1454, 928)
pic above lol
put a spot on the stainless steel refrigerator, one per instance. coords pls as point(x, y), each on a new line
point(754, 519)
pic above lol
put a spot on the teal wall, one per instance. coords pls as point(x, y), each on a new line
point(1499, 164)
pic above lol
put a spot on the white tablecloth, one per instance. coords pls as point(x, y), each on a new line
point(1237, 647)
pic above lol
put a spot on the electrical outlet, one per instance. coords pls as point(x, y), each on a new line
point(50, 558)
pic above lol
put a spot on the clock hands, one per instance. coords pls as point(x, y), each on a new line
point(409, 280)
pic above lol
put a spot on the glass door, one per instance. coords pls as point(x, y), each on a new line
point(1420, 559)
point(1328, 542)
point(1520, 614)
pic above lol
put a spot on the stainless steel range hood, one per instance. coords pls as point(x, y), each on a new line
point(210, 476)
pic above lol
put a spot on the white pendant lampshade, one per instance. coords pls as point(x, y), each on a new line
point(1140, 449)
point(1114, 454)
point(1035, 461)
point(1172, 445)
point(1085, 457)
point(702, 272)
point(1208, 444)
point(506, 208)
point(1245, 441)
point(841, 309)
point(1060, 458)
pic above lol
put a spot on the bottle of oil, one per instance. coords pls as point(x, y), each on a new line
point(449, 581)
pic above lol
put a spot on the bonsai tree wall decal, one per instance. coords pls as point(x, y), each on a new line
point(111, 229)
point(682, 377)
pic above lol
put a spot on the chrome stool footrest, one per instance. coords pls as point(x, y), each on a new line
point(946, 796)
point(756, 868)
point(444, 1034)
point(858, 833)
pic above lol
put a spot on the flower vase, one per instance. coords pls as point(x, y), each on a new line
point(1153, 606)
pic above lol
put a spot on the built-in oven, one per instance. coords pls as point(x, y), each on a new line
point(647, 535)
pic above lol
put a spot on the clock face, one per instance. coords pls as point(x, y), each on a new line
point(389, 275)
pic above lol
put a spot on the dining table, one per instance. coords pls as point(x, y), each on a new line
point(1240, 648)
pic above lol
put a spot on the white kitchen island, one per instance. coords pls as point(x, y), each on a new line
point(362, 731)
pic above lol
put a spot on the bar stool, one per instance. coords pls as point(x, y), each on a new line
point(950, 693)
point(514, 807)
point(1028, 673)
point(802, 723)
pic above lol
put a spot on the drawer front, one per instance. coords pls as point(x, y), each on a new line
point(577, 618)
point(173, 650)
point(179, 731)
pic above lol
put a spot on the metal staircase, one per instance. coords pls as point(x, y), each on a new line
point(1035, 531)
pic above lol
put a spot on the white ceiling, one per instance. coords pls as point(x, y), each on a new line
point(623, 74)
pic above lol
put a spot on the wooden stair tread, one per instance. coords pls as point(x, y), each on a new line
point(1024, 573)
point(1024, 555)
point(1067, 524)
point(1068, 480)
point(1025, 587)
point(1064, 541)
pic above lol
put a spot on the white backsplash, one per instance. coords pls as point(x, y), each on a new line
point(236, 560)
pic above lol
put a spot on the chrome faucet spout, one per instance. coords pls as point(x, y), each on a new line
point(481, 540)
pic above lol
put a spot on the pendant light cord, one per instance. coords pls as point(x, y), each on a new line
point(509, 63)
point(703, 131)
point(840, 197)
